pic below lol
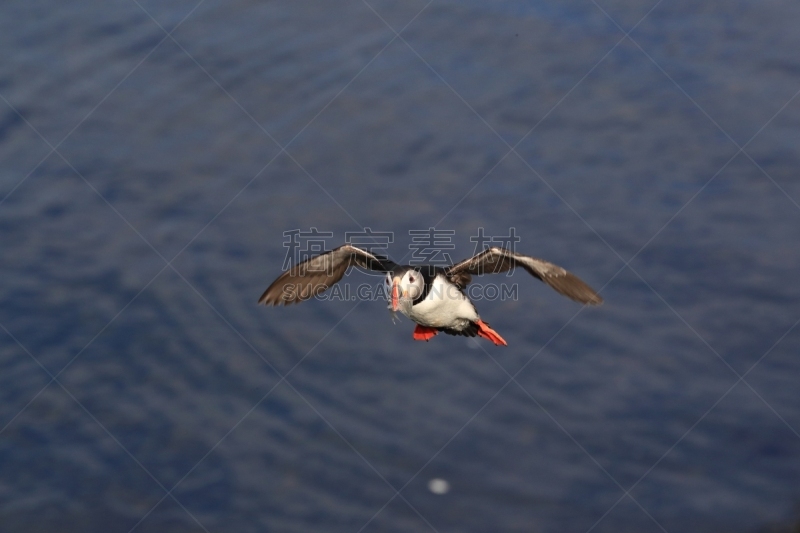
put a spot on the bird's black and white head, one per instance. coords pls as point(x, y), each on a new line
point(403, 287)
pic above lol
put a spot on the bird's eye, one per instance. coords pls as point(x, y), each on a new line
point(411, 279)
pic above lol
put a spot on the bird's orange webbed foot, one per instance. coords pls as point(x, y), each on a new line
point(424, 333)
point(488, 333)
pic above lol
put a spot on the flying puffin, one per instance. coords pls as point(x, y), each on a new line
point(431, 296)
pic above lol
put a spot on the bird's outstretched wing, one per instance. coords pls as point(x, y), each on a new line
point(316, 275)
point(496, 260)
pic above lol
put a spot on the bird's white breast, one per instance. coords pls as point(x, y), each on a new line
point(445, 306)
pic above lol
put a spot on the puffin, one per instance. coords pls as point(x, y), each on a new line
point(432, 296)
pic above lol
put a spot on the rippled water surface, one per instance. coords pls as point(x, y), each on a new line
point(152, 154)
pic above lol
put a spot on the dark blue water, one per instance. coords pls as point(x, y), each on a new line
point(132, 257)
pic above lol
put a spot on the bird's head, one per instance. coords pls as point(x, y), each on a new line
point(403, 288)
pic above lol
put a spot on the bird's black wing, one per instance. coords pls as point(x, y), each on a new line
point(496, 260)
point(316, 275)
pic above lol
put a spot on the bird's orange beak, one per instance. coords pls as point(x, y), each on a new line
point(395, 294)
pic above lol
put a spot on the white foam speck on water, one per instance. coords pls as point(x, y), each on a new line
point(438, 486)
